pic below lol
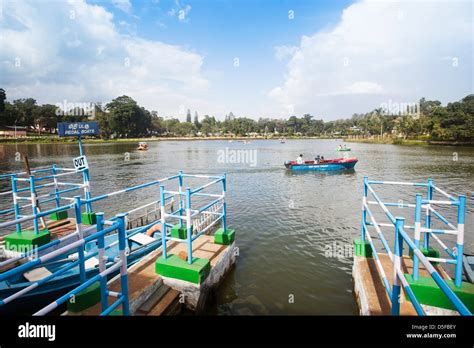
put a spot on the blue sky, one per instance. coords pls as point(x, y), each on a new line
point(327, 58)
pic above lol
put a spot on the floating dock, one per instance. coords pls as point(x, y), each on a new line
point(388, 281)
point(370, 292)
point(155, 259)
point(152, 294)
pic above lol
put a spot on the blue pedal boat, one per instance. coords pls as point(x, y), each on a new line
point(324, 165)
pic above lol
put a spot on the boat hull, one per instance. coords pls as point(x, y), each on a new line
point(325, 166)
point(53, 289)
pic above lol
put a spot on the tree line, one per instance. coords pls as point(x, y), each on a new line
point(124, 118)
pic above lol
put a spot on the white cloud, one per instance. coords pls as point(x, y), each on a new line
point(380, 50)
point(124, 5)
point(81, 57)
point(284, 52)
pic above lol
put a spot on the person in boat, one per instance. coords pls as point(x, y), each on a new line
point(317, 159)
point(322, 158)
point(345, 147)
point(299, 160)
point(339, 147)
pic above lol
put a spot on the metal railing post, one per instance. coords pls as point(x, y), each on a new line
point(460, 241)
point(87, 190)
point(180, 190)
point(426, 243)
point(397, 265)
point(416, 261)
point(56, 188)
point(34, 203)
point(364, 213)
point(189, 228)
point(123, 267)
point(16, 204)
point(101, 246)
point(163, 221)
point(224, 204)
point(80, 249)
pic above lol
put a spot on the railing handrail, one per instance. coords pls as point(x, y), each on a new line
point(401, 236)
point(453, 298)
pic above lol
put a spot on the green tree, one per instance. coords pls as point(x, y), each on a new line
point(127, 119)
point(3, 97)
point(46, 117)
point(196, 121)
point(25, 108)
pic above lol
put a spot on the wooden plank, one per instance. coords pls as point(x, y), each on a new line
point(152, 301)
point(375, 293)
point(167, 301)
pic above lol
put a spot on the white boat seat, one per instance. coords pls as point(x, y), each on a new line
point(37, 274)
point(142, 239)
point(90, 263)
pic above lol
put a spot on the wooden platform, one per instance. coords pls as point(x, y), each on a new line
point(370, 292)
point(58, 229)
point(148, 295)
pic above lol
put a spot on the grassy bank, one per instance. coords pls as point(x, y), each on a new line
point(398, 141)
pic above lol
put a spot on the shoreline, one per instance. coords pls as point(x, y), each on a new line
point(385, 141)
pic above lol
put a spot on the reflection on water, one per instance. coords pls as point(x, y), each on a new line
point(286, 222)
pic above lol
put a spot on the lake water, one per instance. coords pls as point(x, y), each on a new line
point(287, 224)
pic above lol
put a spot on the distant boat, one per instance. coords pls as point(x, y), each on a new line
point(324, 165)
point(282, 140)
point(343, 148)
point(142, 146)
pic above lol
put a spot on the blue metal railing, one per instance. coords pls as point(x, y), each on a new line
point(120, 263)
point(186, 213)
point(401, 237)
point(35, 200)
point(63, 246)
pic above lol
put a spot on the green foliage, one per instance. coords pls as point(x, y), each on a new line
point(124, 118)
point(127, 119)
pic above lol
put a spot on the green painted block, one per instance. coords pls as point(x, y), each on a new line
point(179, 232)
point(430, 252)
point(27, 240)
point(59, 215)
point(174, 267)
point(84, 299)
point(428, 292)
point(88, 218)
point(116, 313)
point(224, 237)
point(362, 248)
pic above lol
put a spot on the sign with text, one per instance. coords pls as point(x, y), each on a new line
point(77, 129)
point(80, 163)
